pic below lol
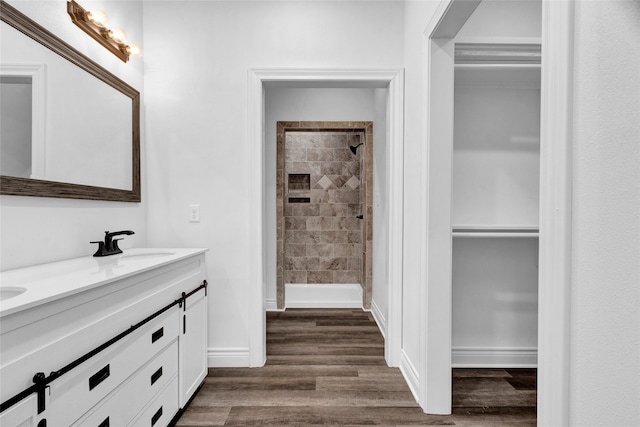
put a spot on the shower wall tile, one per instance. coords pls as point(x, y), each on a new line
point(296, 250)
point(320, 250)
point(296, 155)
point(334, 209)
point(354, 237)
point(354, 263)
point(291, 276)
point(320, 277)
point(295, 223)
point(347, 277)
point(333, 263)
point(322, 240)
point(348, 249)
point(326, 227)
point(319, 154)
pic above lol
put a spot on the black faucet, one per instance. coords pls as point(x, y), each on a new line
point(110, 245)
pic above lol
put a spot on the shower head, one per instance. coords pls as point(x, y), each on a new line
point(355, 148)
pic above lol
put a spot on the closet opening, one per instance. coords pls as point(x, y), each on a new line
point(494, 216)
point(553, 23)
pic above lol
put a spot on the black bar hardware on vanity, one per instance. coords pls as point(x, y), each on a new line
point(156, 416)
point(41, 381)
point(157, 335)
point(156, 375)
point(98, 377)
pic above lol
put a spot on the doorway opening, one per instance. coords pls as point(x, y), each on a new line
point(390, 317)
point(324, 214)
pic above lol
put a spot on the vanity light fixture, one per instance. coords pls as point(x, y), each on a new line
point(94, 23)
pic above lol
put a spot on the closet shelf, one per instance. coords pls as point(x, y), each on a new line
point(495, 231)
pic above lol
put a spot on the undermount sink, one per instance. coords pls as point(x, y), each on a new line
point(10, 292)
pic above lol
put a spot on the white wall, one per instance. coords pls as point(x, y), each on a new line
point(311, 104)
point(38, 230)
point(605, 292)
point(380, 291)
point(504, 18)
point(197, 56)
point(417, 16)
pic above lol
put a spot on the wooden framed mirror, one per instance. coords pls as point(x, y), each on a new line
point(82, 140)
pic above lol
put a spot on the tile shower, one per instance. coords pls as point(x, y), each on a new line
point(324, 204)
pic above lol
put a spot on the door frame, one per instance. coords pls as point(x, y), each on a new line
point(554, 283)
point(393, 80)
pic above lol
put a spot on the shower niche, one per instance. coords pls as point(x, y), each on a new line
point(298, 188)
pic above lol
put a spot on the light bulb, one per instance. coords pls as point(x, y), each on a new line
point(118, 35)
point(135, 50)
point(98, 17)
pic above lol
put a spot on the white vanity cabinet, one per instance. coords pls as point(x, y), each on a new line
point(126, 349)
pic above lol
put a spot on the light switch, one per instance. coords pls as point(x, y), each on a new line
point(194, 213)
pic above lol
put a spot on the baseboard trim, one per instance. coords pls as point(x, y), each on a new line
point(379, 318)
point(494, 357)
point(410, 374)
point(271, 304)
point(228, 357)
point(334, 295)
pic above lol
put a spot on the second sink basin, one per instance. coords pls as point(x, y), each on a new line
point(10, 292)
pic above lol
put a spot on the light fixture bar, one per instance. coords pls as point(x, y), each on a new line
point(80, 17)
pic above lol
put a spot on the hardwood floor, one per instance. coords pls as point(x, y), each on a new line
point(326, 367)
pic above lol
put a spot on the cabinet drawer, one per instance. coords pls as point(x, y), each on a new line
point(82, 388)
point(162, 409)
point(127, 401)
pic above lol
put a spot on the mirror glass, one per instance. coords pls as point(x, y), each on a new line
point(67, 124)
point(15, 118)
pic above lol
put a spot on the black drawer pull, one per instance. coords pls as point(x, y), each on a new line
point(156, 416)
point(105, 423)
point(98, 377)
point(157, 335)
point(156, 375)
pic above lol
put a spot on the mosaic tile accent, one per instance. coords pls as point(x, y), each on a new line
point(325, 182)
point(353, 183)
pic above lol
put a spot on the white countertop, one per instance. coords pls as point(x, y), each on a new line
point(49, 282)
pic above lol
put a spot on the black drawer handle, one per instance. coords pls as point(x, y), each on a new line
point(157, 335)
point(156, 375)
point(98, 377)
point(105, 423)
point(156, 416)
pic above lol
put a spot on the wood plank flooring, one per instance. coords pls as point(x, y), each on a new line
point(326, 367)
